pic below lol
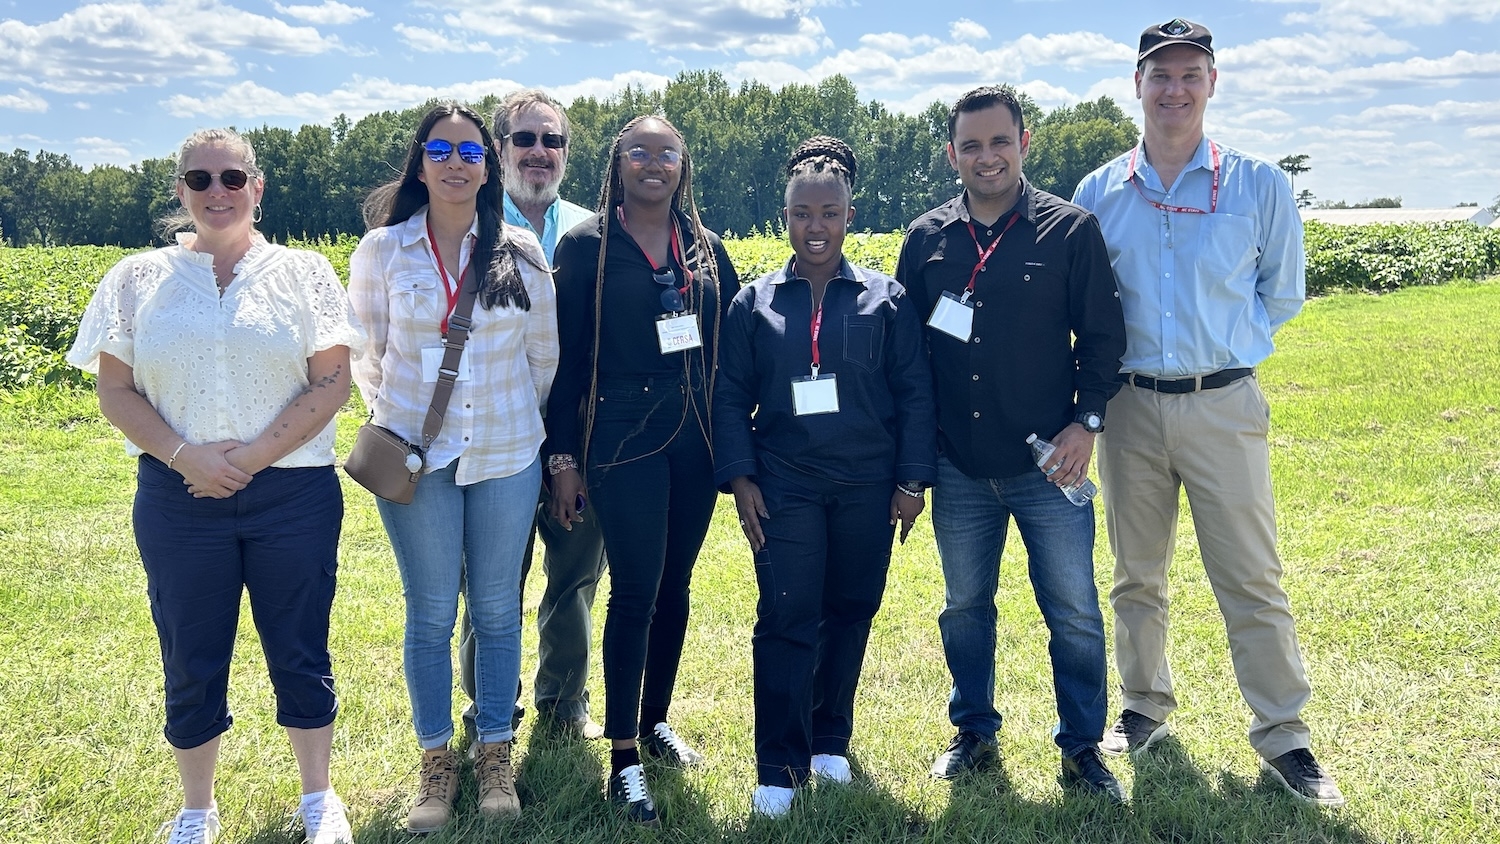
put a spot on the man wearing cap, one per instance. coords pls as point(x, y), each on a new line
point(1206, 244)
point(532, 131)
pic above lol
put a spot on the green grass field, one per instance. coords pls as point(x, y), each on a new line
point(1387, 462)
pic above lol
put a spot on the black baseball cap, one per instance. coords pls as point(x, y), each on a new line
point(1175, 31)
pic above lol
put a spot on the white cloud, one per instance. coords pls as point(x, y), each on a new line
point(1324, 87)
point(1321, 49)
point(1074, 50)
point(23, 100)
point(101, 150)
point(1263, 117)
point(711, 25)
point(1483, 132)
point(108, 48)
point(898, 42)
point(1409, 12)
point(964, 29)
point(810, 38)
point(363, 95)
point(330, 13)
point(1443, 112)
point(433, 41)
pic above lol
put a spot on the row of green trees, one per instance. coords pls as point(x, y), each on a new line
point(739, 138)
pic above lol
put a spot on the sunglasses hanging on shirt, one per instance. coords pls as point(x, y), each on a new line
point(527, 140)
point(439, 150)
point(199, 180)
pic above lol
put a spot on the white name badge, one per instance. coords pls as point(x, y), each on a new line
point(432, 361)
point(953, 316)
point(677, 333)
point(815, 394)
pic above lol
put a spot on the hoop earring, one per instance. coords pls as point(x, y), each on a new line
point(256, 214)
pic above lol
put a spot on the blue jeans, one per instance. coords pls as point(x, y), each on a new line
point(472, 534)
point(969, 518)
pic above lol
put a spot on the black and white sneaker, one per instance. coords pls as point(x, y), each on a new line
point(666, 746)
point(1133, 733)
point(627, 789)
point(1301, 775)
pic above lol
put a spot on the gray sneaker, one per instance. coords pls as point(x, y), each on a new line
point(1301, 775)
point(1133, 733)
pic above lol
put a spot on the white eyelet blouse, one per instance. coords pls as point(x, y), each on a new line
point(220, 368)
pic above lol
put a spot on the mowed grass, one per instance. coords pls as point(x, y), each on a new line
point(1387, 459)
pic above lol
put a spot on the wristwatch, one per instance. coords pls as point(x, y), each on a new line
point(1091, 421)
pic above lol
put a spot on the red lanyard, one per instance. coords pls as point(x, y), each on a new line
point(448, 286)
point(984, 254)
point(676, 249)
point(817, 328)
point(1213, 196)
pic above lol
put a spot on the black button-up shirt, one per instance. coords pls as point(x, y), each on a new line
point(1048, 330)
point(885, 430)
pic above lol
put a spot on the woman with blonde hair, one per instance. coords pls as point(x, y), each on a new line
point(222, 360)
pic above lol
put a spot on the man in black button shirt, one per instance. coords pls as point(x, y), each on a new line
point(1025, 335)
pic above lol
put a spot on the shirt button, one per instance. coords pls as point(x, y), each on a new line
point(976, 377)
point(1170, 355)
point(976, 339)
point(976, 414)
point(1166, 275)
point(1169, 313)
point(989, 232)
point(1026, 277)
point(978, 304)
point(471, 407)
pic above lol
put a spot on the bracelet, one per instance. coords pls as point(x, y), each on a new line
point(178, 450)
point(913, 493)
point(559, 463)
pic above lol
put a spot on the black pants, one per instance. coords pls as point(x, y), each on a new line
point(650, 480)
point(821, 576)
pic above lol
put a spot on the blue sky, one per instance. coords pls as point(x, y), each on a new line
point(1388, 97)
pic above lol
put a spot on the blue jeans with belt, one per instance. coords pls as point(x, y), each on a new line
point(277, 539)
point(651, 483)
point(447, 535)
point(969, 519)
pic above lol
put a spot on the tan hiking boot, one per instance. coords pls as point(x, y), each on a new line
point(497, 781)
point(437, 786)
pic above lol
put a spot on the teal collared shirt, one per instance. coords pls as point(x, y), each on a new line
point(561, 216)
point(1201, 292)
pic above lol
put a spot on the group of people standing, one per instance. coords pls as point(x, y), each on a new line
point(617, 377)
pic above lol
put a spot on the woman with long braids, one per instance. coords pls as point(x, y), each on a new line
point(436, 230)
point(641, 290)
point(825, 429)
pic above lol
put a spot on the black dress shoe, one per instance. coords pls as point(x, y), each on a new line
point(1085, 772)
point(967, 752)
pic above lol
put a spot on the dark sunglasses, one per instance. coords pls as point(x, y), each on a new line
point(527, 140)
point(671, 297)
point(199, 180)
point(640, 157)
point(439, 150)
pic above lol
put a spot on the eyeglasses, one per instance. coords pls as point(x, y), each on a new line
point(640, 157)
point(199, 180)
point(439, 150)
point(527, 140)
point(671, 297)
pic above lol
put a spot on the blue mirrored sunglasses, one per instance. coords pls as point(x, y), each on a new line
point(439, 150)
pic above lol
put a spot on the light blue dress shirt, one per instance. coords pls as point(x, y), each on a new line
point(561, 216)
point(1201, 292)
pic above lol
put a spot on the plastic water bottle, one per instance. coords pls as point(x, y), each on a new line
point(1080, 493)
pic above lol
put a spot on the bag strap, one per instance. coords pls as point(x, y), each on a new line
point(459, 326)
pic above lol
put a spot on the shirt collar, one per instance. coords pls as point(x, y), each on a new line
point(956, 210)
point(514, 217)
point(1202, 159)
point(785, 274)
point(415, 230)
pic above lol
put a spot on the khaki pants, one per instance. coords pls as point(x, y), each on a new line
point(1213, 443)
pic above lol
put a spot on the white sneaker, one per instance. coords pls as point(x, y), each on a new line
point(195, 828)
point(830, 768)
point(325, 821)
point(773, 801)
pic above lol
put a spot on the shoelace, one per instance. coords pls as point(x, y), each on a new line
point(634, 780)
point(1134, 722)
point(670, 738)
point(492, 764)
point(184, 830)
point(436, 776)
point(314, 816)
point(1307, 767)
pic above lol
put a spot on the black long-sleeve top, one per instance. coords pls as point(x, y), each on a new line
point(628, 346)
point(1048, 330)
point(870, 337)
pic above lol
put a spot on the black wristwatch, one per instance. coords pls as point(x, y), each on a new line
point(1091, 421)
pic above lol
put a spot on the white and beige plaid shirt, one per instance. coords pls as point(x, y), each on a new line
point(494, 420)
